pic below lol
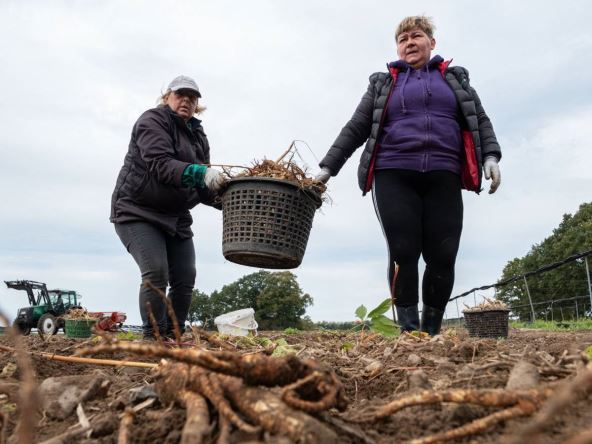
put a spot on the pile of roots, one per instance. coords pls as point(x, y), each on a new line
point(221, 389)
point(486, 305)
point(284, 168)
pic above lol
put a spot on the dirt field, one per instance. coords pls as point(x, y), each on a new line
point(372, 369)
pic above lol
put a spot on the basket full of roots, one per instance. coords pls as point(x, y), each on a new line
point(487, 320)
point(268, 211)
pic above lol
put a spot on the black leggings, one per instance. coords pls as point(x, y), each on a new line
point(420, 214)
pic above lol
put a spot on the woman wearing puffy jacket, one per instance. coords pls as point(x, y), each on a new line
point(163, 176)
point(427, 137)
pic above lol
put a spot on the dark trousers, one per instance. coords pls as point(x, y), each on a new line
point(163, 260)
point(420, 214)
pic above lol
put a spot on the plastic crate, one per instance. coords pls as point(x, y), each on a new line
point(266, 222)
point(487, 323)
point(79, 328)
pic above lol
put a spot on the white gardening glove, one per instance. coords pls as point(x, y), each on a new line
point(491, 171)
point(324, 175)
point(214, 179)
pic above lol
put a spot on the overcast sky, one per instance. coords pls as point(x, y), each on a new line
point(76, 76)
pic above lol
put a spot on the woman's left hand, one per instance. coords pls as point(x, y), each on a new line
point(491, 171)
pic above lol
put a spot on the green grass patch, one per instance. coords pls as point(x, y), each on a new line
point(582, 324)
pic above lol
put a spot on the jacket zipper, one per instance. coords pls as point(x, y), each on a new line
point(374, 151)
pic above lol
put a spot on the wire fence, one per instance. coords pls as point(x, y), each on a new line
point(555, 307)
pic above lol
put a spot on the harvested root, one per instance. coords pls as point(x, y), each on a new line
point(487, 305)
point(281, 170)
point(29, 393)
point(312, 386)
point(517, 403)
point(224, 435)
point(212, 339)
point(577, 388)
point(486, 397)
point(197, 427)
point(584, 437)
point(228, 379)
point(477, 426)
point(169, 307)
point(153, 323)
point(123, 436)
point(77, 360)
point(274, 416)
point(263, 409)
point(523, 376)
point(254, 369)
point(3, 422)
point(79, 314)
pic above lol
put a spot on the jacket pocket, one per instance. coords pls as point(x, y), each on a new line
point(162, 198)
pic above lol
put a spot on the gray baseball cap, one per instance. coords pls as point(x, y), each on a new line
point(184, 82)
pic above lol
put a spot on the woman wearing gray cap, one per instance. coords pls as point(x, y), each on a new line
point(163, 176)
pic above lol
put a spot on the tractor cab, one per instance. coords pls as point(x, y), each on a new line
point(64, 300)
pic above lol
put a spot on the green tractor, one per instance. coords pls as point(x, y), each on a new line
point(46, 307)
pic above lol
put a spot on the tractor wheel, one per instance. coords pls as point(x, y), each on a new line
point(25, 331)
point(47, 325)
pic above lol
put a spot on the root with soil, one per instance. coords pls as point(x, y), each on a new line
point(232, 382)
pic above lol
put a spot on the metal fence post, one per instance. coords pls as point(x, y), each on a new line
point(577, 314)
point(474, 298)
point(530, 300)
point(588, 277)
point(457, 312)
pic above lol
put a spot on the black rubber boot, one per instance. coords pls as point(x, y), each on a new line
point(408, 318)
point(431, 320)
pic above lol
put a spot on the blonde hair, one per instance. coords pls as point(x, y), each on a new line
point(426, 24)
point(165, 95)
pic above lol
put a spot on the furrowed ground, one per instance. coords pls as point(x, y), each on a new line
point(132, 404)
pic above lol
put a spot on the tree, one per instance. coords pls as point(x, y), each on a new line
point(277, 299)
point(200, 309)
point(281, 303)
point(573, 235)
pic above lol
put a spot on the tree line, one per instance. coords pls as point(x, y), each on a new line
point(573, 235)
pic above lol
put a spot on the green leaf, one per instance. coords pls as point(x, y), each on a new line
point(381, 309)
point(382, 324)
point(281, 342)
point(361, 312)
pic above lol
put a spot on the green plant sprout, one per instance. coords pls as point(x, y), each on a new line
point(375, 320)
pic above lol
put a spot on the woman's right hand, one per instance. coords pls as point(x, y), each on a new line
point(214, 180)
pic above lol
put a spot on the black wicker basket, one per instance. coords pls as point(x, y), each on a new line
point(487, 323)
point(266, 222)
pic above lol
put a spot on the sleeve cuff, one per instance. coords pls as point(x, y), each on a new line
point(194, 176)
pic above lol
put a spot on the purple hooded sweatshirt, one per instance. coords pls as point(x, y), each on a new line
point(421, 129)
